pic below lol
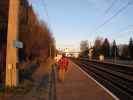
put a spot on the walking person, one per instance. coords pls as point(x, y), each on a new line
point(62, 67)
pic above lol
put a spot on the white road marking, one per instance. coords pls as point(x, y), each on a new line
point(110, 93)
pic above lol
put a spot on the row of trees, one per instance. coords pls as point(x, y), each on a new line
point(109, 50)
point(34, 34)
point(104, 47)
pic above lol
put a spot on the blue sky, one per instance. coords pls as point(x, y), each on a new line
point(74, 20)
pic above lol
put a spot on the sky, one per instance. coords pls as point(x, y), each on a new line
point(72, 21)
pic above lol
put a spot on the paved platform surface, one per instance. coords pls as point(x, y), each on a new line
point(38, 90)
point(78, 86)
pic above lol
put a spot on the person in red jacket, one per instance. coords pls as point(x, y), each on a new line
point(63, 66)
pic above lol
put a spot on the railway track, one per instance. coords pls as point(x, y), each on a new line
point(117, 79)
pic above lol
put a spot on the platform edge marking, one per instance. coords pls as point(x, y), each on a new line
point(110, 93)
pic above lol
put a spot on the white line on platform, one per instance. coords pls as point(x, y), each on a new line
point(110, 93)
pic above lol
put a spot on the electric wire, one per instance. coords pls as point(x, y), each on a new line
point(111, 6)
point(113, 16)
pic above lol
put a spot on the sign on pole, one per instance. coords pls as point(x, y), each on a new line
point(17, 44)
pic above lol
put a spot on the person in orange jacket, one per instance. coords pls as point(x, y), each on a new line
point(62, 66)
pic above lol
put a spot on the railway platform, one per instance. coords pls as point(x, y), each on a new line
point(78, 85)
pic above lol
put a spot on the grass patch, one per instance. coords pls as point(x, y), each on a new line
point(22, 89)
point(1, 93)
point(1, 90)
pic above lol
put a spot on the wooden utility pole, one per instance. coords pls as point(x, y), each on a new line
point(11, 58)
point(50, 49)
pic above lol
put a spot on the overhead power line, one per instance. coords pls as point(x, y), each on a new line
point(45, 7)
point(113, 16)
point(111, 6)
point(129, 26)
point(47, 13)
